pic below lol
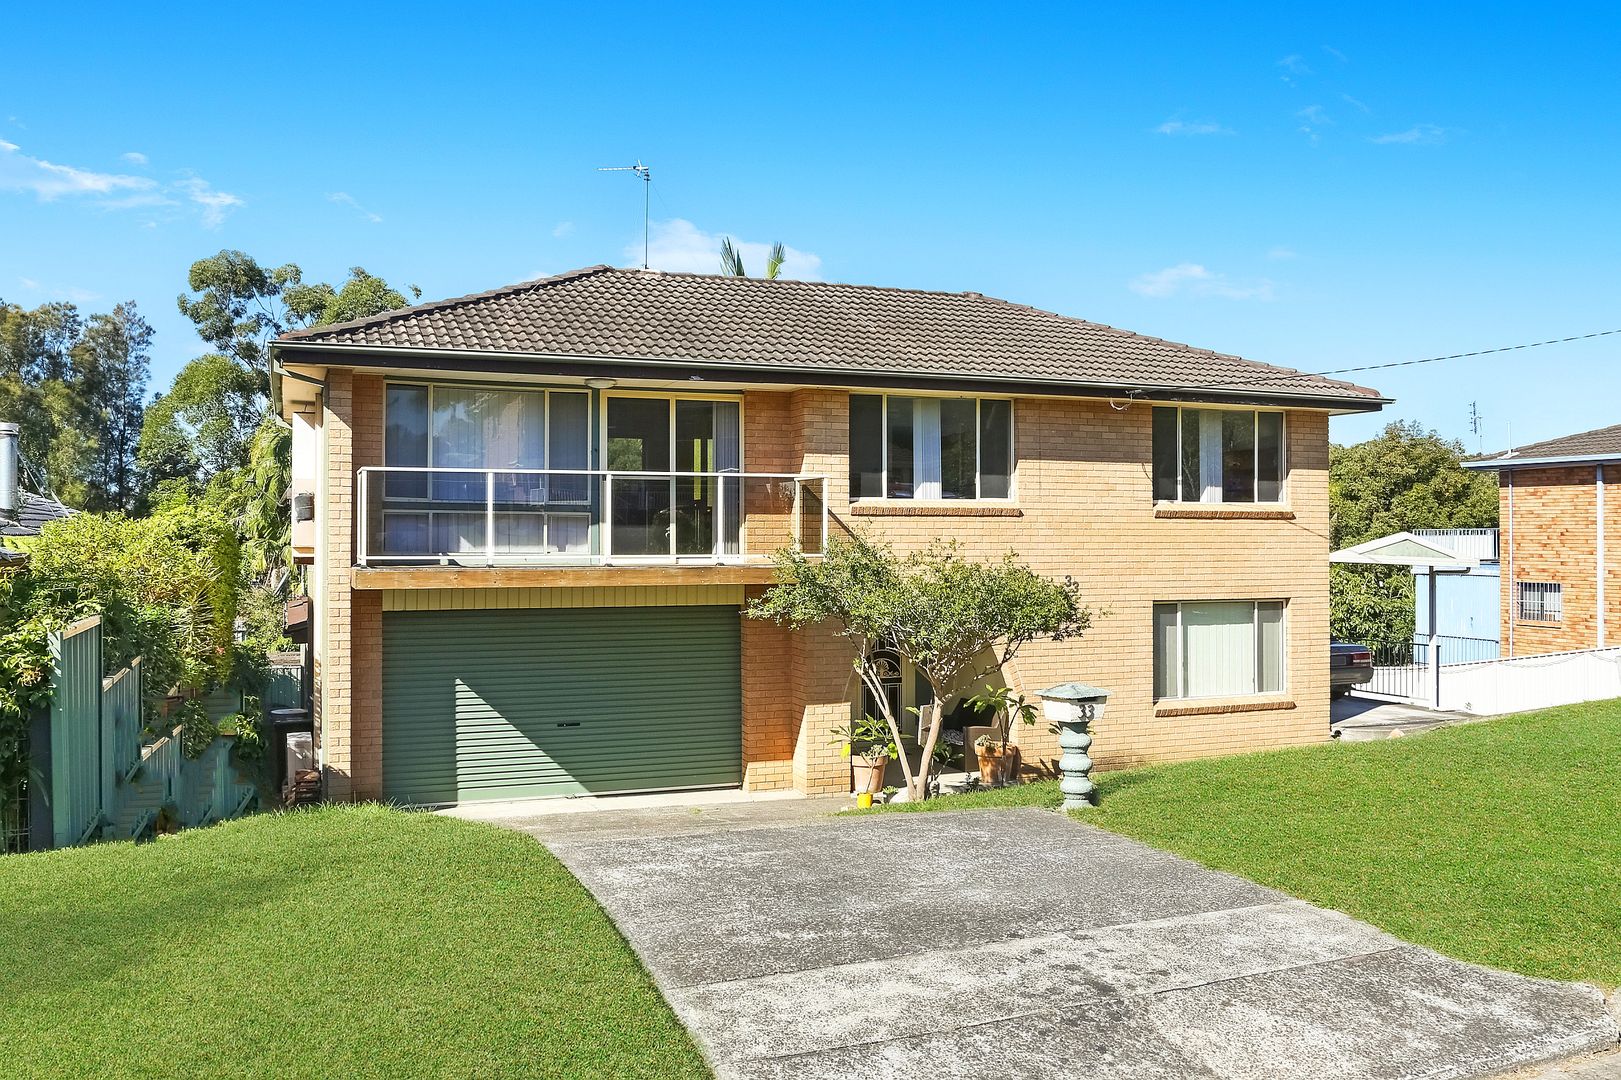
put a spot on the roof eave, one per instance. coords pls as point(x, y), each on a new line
point(1542, 460)
point(287, 352)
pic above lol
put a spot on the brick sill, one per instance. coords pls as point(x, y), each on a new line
point(909, 508)
point(1177, 511)
point(1218, 706)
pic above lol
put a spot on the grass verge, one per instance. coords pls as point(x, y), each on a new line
point(345, 941)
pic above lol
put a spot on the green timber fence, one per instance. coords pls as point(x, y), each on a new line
point(103, 777)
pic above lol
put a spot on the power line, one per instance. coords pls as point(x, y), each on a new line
point(1288, 376)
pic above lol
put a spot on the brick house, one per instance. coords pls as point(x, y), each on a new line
point(1561, 580)
point(532, 515)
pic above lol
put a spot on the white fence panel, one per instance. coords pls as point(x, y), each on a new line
point(1531, 682)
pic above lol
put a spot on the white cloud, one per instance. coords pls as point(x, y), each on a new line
point(48, 181)
point(134, 157)
point(349, 200)
point(1355, 104)
point(562, 229)
point(1281, 253)
point(1294, 66)
point(215, 204)
point(1193, 279)
point(1417, 134)
point(680, 246)
point(72, 293)
point(1336, 54)
point(1186, 127)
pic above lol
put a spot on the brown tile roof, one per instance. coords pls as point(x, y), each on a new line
point(1600, 442)
point(607, 313)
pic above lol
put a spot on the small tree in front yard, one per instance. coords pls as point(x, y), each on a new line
point(957, 621)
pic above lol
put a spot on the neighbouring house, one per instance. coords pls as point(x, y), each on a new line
point(534, 513)
point(1561, 580)
point(1468, 602)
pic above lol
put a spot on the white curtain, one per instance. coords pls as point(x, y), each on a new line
point(1167, 652)
point(728, 458)
point(1270, 617)
point(1219, 645)
point(926, 448)
point(1210, 428)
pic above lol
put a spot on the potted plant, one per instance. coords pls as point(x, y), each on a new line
point(867, 744)
point(999, 757)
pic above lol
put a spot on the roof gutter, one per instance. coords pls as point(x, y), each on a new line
point(1144, 391)
point(1552, 459)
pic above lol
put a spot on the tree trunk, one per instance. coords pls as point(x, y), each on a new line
point(919, 786)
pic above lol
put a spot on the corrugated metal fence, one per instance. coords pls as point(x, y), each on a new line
point(104, 778)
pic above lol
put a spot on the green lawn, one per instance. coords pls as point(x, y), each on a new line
point(1497, 842)
point(346, 941)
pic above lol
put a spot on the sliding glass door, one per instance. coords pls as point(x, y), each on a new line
point(684, 514)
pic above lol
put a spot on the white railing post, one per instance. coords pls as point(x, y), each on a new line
point(607, 527)
point(364, 515)
point(794, 527)
point(719, 527)
point(489, 518)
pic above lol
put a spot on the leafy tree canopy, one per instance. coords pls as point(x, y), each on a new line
point(1405, 478)
point(957, 621)
point(168, 588)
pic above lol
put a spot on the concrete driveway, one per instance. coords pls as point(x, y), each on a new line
point(1359, 719)
point(1020, 943)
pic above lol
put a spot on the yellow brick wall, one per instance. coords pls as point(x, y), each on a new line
point(1554, 538)
point(348, 699)
point(1083, 493)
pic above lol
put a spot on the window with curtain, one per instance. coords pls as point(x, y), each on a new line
point(1218, 455)
point(470, 427)
point(455, 427)
point(904, 447)
point(1218, 648)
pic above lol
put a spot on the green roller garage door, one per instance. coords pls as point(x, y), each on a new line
point(504, 704)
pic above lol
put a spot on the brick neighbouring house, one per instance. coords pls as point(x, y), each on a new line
point(1559, 571)
point(561, 615)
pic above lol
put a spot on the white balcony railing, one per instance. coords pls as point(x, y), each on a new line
point(584, 517)
point(1471, 543)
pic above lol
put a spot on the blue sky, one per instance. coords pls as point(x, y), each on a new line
point(1318, 188)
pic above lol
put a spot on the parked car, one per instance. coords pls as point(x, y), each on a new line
point(1348, 665)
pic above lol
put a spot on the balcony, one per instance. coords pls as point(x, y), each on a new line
point(562, 518)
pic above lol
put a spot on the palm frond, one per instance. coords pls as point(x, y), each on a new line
point(773, 264)
point(730, 261)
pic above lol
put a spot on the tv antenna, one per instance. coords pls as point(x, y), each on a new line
point(1474, 424)
point(646, 173)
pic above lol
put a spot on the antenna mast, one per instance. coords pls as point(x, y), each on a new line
point(1474, 424)
point(646, 174)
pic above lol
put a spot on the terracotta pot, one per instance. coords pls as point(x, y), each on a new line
point(868, 773)
point(998, 767)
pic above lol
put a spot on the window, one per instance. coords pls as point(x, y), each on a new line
point(1218, 648)
point(1218, 455)
point(470, 427)
point(1539, 601)
point(930, 448)
point(455, 427)
point(671, 515)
